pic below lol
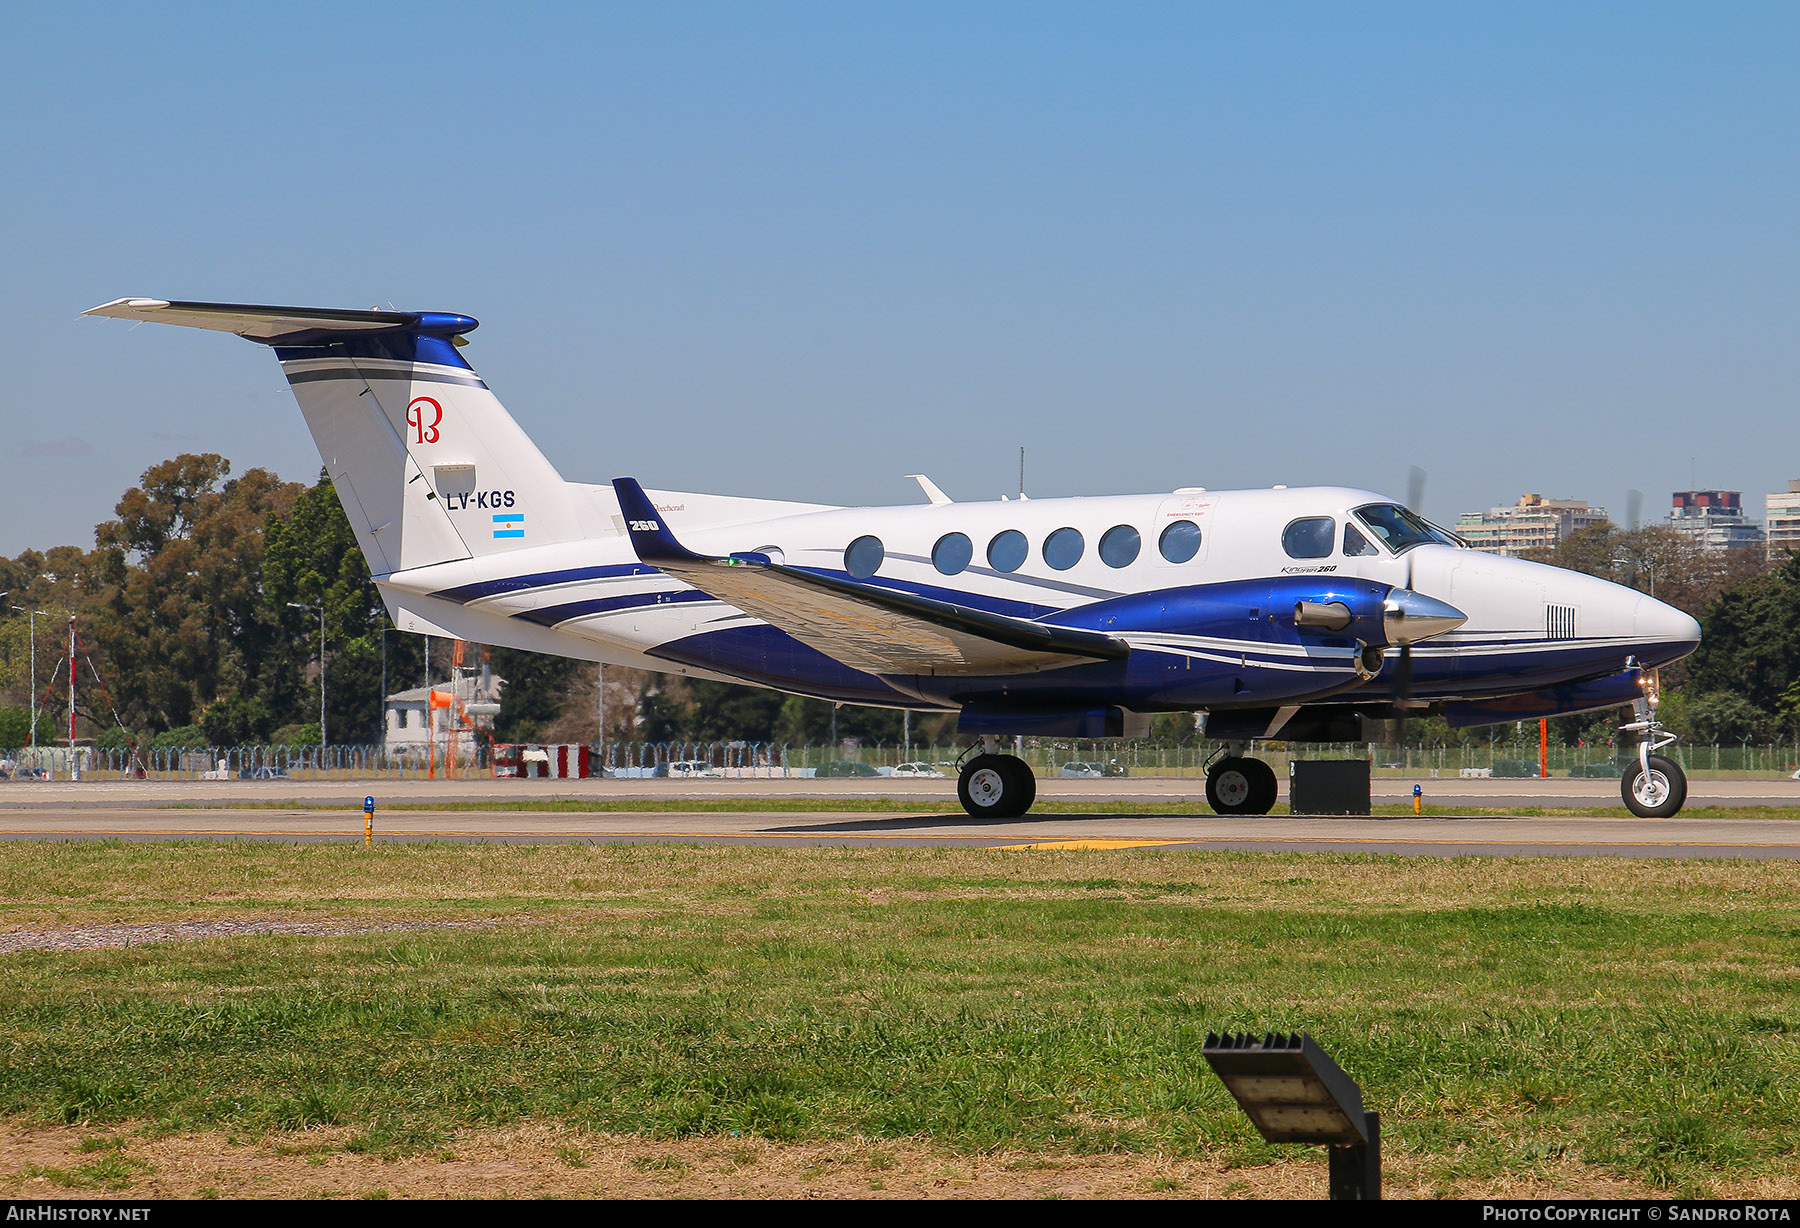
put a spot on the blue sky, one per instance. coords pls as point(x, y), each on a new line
point(801, 250)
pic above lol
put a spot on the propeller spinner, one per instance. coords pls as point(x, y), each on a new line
point(1409, 617)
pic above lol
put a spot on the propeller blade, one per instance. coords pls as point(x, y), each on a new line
point(1403, 691)
point(1415, 500)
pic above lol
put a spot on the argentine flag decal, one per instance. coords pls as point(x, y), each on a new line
point(509, 524)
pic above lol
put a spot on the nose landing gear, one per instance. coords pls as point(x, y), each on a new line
point(1654, 787)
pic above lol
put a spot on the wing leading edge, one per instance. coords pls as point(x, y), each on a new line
point(873, 629)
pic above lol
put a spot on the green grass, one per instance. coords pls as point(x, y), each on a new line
point(1506, 1016)
point(111, 1172)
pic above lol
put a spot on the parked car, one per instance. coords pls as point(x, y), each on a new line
point(1082, 771)
point(916, 771)
point(685, 769)
point(264, 773)
point(1515, 769)
point(846, 769)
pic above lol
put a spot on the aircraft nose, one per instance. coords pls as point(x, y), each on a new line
point(1660, 621)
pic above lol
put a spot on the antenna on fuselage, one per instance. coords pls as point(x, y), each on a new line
point(1021, 471)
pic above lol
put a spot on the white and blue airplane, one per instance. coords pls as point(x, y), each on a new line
point(1283, 613)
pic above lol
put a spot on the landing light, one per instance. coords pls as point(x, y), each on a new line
point(1292, 1092)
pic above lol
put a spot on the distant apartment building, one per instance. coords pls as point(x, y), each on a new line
point(1782, 518)
point(1713, 519)
point(1533, 523)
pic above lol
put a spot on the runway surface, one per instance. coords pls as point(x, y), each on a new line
point(1135, 791)
point(218, 811)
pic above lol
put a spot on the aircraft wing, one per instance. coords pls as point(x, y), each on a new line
point(863, 625)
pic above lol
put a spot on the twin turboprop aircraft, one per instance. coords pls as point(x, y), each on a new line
point(1283, 613)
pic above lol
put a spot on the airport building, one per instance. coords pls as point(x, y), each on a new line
point(1533, 523)
point(461, 708)
point(1713, 519)
point(1781, 518)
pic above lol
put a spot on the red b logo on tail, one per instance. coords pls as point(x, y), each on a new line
point(416, 410)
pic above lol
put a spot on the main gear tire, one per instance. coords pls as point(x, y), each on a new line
point(1237, 785)
point(996, 787)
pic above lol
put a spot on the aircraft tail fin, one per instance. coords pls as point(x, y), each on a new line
point(429, 465)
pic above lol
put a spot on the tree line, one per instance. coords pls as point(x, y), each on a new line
point(197, 617)
point(186, 634)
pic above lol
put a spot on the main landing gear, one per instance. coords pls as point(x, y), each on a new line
point(996, 786)
point(1240, 785)
point(1654, 787)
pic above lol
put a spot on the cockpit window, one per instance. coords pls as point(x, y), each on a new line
point(1309, 538)
point(1399, 529)
point(1356, 545)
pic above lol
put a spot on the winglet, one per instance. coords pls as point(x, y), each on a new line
point(650, 537)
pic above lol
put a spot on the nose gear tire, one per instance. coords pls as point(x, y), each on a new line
point(1657, 794)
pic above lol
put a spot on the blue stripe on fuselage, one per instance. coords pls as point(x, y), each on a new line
point(462, 594)
point(550, 615)
point(1150, 680)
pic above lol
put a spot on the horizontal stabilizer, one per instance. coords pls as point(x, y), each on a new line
point(865, 626)
point(283, 325)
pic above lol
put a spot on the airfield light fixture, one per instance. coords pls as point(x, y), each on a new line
point(1292, 1092)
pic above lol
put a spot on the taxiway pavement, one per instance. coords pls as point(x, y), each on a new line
point(331, 811)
